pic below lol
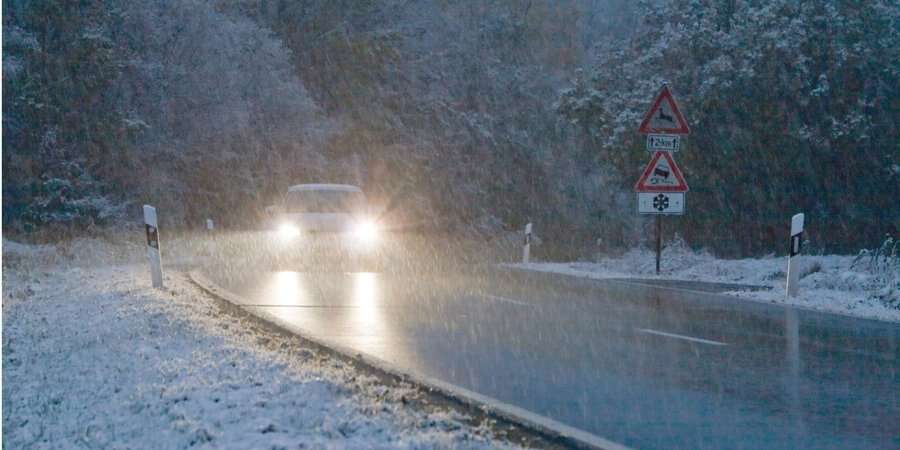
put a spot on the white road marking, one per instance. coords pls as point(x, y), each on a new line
point(678, 336)
point(504, 299)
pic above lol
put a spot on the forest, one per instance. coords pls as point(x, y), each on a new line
point(470, 117)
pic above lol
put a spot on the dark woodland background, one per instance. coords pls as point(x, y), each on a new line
point(466, 117)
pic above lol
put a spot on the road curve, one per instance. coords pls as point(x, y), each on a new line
point(640, 365)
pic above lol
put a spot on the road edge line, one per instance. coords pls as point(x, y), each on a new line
point(492, 408)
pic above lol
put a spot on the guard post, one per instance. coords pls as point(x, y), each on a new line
point(793, 274)
point(526, 247)
point(151, 225)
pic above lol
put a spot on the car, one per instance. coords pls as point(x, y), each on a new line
point(324, 221)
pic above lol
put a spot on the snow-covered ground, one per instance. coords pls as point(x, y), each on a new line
point(828, 283)
point(95, 358)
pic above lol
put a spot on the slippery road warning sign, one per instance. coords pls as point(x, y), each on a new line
point(661, 175)
point(664, 117)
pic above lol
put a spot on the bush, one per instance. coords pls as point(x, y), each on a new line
point(883, 263)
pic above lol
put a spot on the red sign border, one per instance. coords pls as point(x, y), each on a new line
point(676, 172)
point(645, 124)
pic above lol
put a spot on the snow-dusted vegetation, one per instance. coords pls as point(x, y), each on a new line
point(93, 357)
point(792, 107)
point(456, 116)
point(867, 285)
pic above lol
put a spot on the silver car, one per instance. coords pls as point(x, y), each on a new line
point(327, 219)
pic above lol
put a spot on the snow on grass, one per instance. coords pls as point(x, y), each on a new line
point(830, 283)
point(93, 357)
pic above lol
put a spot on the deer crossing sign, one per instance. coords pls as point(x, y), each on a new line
point(664, 117)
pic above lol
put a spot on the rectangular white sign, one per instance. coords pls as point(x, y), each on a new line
point(661, 203)
point(664, 142)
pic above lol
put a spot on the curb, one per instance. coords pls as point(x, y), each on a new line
point(548, 429)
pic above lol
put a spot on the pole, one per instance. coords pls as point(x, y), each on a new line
point(526, 247)
point(658, 241)
point(793, 274)
point(153, 254)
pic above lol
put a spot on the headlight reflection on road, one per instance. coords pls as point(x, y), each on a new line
point(347, 307)
point(367, 319)
point(365, 290)
point(287, 292)
point(286, 289)
point(375, 325)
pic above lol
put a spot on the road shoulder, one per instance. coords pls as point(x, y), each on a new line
point(829, 284)
point(94, 357)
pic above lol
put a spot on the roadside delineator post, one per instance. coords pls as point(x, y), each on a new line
point(210, 226)
point(151, 226)
point(526, 247)
point(793, 274)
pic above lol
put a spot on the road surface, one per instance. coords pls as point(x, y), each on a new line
point(640, 365)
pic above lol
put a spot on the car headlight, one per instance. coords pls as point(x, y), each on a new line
point(366, 231)
point(288, 231)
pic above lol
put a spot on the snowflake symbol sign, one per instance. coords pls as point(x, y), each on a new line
point(661, 202)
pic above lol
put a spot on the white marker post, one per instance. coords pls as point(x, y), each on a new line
point(793, 274)
point(526, 248)
point(210, 226)
point(153, 254)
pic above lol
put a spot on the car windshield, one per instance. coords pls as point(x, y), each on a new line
point(324, 201)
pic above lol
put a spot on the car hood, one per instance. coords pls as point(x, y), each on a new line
point(332, 222)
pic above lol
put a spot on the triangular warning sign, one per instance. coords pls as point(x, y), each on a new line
point(661, 175)
point(664, 117)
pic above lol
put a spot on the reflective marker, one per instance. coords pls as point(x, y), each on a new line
point(151, 226)
point(793, 275)
point(526, 248)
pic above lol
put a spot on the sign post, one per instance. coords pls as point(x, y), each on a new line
point(658, 241)
point(793, 274)
point(153, 254)
point(661, 188)
point(526, 247)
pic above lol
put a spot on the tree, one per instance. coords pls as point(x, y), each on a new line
point(792, 106)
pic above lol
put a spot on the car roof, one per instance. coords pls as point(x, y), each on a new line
point(324, 187)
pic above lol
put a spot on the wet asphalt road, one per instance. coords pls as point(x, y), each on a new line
point(643, 366)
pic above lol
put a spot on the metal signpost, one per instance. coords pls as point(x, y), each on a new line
point(153, 254)
point(661, 188)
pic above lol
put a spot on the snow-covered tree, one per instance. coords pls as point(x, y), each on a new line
point(793, 107)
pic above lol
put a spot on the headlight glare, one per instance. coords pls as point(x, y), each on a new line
point(366, 231)
point(288, 231)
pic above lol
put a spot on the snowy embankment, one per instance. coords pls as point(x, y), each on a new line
point(93, 357)
point(838, 284)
